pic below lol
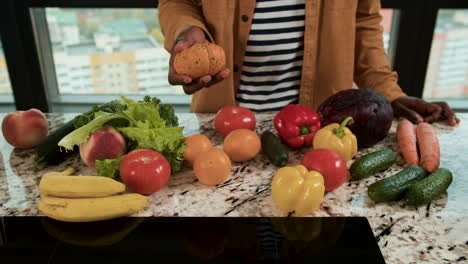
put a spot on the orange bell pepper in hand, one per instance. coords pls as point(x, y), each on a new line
point(297, 189)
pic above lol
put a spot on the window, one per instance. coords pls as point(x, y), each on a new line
point(108, 41)
point(387, 21)
point(6, 95)
point(5, 87)
point(447, 72)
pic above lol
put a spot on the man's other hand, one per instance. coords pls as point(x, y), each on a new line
point(417, 110)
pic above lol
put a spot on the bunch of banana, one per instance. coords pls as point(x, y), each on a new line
point(86, 198)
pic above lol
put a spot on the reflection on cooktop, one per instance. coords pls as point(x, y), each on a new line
point(189, 239)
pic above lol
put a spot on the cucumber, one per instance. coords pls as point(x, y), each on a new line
point(274, 149)
point(372, 163)
point(393, 188)
point(430, 188)
point(48, 152)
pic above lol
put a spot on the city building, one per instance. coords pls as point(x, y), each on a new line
point(119, 57)
point(111, 65)
point(125, 28)
point(387, 20)
point(5, 86)
point(63, 26)
point(447, 74)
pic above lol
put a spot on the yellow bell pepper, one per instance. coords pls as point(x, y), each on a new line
point(339, 138)
point(299, 190)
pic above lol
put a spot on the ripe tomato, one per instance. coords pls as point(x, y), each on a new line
point(330, 164)
point(230, 118)
point(212, 167)
point(145, 171)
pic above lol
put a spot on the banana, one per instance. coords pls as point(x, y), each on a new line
point(59, 185)
point(92, 209)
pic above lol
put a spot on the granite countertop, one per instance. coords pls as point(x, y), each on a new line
point(436, 233)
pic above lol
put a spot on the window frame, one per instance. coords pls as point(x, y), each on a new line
point(21, 56)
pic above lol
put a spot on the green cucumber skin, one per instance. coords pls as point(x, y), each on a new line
point(274, 149)
point(394, 187)
point(48, 152)
point(372, 163)
point(430, 188)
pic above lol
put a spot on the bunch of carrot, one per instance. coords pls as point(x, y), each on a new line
point(423, 137)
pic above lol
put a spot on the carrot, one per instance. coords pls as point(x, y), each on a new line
point(406, 136)
point(428, 147)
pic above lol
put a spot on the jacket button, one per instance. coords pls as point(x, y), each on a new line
point(245, 18)
point(236, 69)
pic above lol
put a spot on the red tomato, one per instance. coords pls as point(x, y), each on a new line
point(230, 118)
point(145, 171)
point(330, 164)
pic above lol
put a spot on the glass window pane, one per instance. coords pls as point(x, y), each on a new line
point(6, 94)
point(109, 51)
point(447, 72)
point(5, 86)
point(387, 20)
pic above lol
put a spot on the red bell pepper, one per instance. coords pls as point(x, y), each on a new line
point(296, 125)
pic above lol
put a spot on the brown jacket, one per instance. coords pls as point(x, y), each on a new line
point(342, 43)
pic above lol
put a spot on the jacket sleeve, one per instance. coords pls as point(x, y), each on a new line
point(175, 16)
point(372, 68)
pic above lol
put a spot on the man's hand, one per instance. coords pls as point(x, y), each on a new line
point(417, 110)
point(189, 38)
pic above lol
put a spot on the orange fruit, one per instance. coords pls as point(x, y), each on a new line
point(195, 145)
point(242, 145)
point(212, 167)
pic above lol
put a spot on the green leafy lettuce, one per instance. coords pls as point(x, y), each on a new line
point(109, 168)
point(80, 135)
point(143, 125)
point(167, 141)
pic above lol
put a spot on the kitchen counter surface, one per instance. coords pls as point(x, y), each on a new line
point(436, 233)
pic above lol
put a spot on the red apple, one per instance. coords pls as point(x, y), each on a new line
point(230, 118)
point(25, 129)
point(105, 143)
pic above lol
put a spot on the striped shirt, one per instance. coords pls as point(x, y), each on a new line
point(271, 73)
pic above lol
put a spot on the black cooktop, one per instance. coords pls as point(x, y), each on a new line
point(189, 240)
